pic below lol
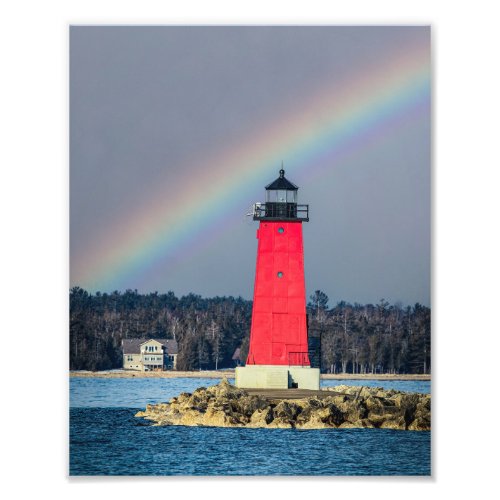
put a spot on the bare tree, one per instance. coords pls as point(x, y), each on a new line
point(215, 333)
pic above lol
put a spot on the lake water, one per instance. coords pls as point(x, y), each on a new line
point(106, 438)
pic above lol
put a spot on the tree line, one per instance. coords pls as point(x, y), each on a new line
point(380, 338)
point(207, 330)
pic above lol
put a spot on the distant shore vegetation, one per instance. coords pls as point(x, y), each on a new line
point(348, 338)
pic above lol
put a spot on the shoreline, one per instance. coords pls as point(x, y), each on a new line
point(230, 374)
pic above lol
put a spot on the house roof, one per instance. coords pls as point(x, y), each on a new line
point(170, 346)
point(133, 346)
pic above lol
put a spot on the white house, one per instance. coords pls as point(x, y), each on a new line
point(149, 354)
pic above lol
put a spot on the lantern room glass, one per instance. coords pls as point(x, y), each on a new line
point(281, 196)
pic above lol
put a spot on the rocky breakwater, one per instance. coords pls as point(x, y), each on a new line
point(343, 407)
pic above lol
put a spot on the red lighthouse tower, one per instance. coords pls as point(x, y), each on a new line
point(278, 353)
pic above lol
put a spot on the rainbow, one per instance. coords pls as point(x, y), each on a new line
point(334, 121)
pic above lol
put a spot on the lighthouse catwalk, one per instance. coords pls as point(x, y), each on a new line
point(278, 352)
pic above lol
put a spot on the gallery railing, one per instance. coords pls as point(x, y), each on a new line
point(280, 211)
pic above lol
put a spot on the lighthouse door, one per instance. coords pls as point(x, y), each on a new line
point(279, 335)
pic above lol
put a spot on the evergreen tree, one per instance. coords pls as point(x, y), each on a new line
point(354, 338)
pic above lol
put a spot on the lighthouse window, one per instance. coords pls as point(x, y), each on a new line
point(280, 274)
point(281, 230)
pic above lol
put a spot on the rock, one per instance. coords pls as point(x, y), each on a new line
point(397, 423)
point(388, 419)
point(364, 423)
point(353, 411)
point(190, 418)
point(339, 399)
point(335, 416)
point(347, 425)
point(304, 417)
point(224, 405)
point(285, 414)
point(420, 424)
point(316, 420)
point(373, 404)
point(286, 410)
point(248, 405)
point(261, 418)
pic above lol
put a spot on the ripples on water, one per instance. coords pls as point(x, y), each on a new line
point(130, 392)
point(106, 439)
point(138, 392)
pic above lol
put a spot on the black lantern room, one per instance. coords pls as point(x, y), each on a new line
point(281, 202)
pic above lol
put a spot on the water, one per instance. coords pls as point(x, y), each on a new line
point(130, 392)
point(106, 438)
point(138, 392)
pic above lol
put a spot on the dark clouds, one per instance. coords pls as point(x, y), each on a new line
point(146, 100)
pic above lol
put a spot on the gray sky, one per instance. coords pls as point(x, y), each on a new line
point(148, 104)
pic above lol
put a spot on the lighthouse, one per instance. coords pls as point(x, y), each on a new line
point(278, 353)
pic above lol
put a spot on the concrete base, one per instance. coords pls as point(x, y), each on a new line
point(277, 377)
